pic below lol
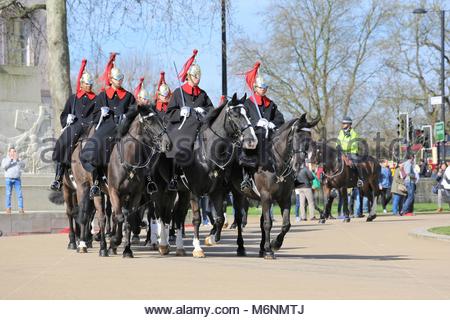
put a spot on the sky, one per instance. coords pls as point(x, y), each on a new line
point(246, 20)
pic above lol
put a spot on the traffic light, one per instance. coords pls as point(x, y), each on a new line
point(418, 136)
point(427, 137)
point(402, 126)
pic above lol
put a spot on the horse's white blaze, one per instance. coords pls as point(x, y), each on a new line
point(163, 232)
point(179, 241)
point(253, 142)
point(153, 232)
point(196, 244)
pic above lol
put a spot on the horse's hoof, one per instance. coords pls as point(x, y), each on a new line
point(275, 245)
point(108, 236)
point(127, 254)
point(97, 237)
point(225, 225)
point(198, 253)
point(180, 253)
point(112, 251)
point(72, 246)
point(103, 253)
point(261, 253)
point(346, 220)
point(163, 250)
point(371, 218)
point(209, 241)
point(322, 221)
point(82, 250)
point(269, 256)
point(241, 252)
point(135, 240)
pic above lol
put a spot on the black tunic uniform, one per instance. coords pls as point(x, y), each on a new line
point(269, 111)
point(83, 106)
point(183, 139)
point(97, 150)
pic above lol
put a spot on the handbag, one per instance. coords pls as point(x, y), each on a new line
point(402, 188)
point(435, 188)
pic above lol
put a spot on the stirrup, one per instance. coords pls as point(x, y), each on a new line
point(56, 185)
point(246, 184)
point(95, 191)
point(173, 185)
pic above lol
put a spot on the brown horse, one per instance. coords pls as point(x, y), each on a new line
point(340, 176)
point(131, 161)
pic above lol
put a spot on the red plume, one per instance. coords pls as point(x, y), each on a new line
point(80, 73)
point(109, 66)
point(187, 65)
point(139, 87)
point(250, 76)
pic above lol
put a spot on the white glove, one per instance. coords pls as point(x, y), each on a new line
point(105, 111)
point(263, 123)
point(272, 125)
point(70, 119)
point(185, 112)
point(200, 110)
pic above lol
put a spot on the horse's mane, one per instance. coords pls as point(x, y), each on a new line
point(284, 127)
point(212, 115)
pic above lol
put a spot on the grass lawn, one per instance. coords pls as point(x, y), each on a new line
point(441, 230)
point(419, 208)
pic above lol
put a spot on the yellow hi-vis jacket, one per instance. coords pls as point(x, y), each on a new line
point(349, 144)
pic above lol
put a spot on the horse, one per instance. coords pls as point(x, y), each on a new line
point(338, 175)
point(131, 159)
point(223, 130)
point(289, 150)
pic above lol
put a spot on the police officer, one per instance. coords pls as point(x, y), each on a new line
point(348, 143)
point(265, 117)
point(76, 118)
point(114, 102)
point(187, 106)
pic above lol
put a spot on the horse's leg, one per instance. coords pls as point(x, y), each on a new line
point(108, 210)
point(196, 221)
point(68, 199)
point(163, 232)
point(328, 202)
point(152, 235)
point(116, 207)
point(99, 205)
point(372, 205)
point(344, 195)
point(285, 204)
point(217, 201)
point(238, 205)
point(84, 216)
point(265, 205)
point(263, 236)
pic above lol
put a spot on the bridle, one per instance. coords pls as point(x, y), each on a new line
point(323, 163)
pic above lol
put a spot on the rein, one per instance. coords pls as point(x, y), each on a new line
point(338, 172)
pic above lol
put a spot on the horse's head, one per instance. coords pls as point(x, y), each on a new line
point(302, 143)
point(238, 125)
point(155, 132)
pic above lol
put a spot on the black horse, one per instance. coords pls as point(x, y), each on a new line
point(289, 150)
point(224, 130)
point(340, 176)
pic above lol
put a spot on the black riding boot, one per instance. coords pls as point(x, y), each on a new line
point(59, 173)
point(95, 189)
point(360, 182)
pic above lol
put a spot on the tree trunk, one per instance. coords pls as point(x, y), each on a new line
point(58, 58)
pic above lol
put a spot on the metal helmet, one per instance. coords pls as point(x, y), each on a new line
point(116, 74)
point(195, 71)
point(87, 78)
point(347, 119)
point(164, 90)
point(144, 94)
point(260, 82)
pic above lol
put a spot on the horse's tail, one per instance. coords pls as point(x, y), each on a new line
point(56, 197)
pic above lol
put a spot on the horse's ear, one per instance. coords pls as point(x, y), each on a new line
point(302, 118)
point(244, 97)
point(234, 99)
point(313, 123)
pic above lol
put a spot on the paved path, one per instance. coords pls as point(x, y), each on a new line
point(359, 260)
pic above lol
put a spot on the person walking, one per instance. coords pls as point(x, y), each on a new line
point(398, 190)
point(438, 178)
point(385, 184)
point(305, 179)
point(13, 167)
point(409, 176)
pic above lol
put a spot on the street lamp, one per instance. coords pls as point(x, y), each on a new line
point(442, 14)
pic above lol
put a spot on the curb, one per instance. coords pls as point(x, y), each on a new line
point(423, 233)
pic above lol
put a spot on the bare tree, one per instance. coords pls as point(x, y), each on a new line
point(320, 56)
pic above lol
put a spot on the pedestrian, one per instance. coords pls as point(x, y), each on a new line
point(305, 179)
point(438, 179)
point(385, 184)
point(297, 202)
point(398, 190)
point(409, 176)
point(13, 167)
